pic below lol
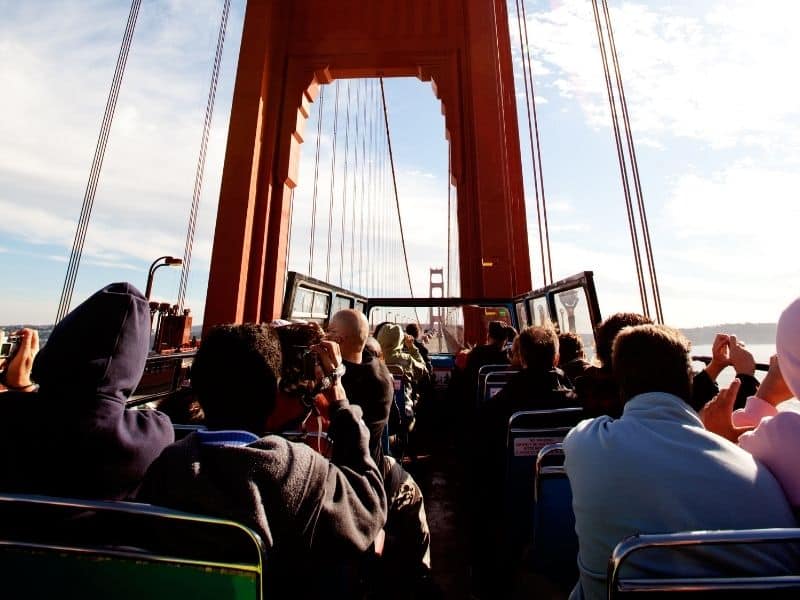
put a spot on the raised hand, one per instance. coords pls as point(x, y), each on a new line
point(774, 389)
point(741, 358)
point(720, 356)
point(716, 415)
point(19, 366)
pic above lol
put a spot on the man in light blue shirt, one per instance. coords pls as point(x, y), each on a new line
point(658, 470)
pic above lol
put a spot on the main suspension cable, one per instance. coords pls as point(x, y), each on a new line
point(648, 246)
point(201, 160)
point(622, 165)
point(97, 164)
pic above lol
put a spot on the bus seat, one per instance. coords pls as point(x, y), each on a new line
point(483, 372)
point(705, 564)
point(528, 433)
point(56, 547)
point(494, 382)
point(555, 543)
point(181, 431)
point(442, 366)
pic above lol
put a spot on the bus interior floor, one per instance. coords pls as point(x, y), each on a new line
point(433, 460)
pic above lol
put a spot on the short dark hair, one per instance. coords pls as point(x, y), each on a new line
point(608, 330)
point(497, 331)
point(538, 347)
point(511, 333)
point(652, 358)
point(235, 375)
point(570, 347)
point(412, 329)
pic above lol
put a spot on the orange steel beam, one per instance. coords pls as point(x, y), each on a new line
point(288, 49)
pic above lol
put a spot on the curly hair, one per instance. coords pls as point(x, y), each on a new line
point(235, 375)
point(608, 330)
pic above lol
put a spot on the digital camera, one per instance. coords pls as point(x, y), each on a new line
point(9, 346)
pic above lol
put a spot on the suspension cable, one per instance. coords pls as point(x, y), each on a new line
point(355, 190)
point(316, 184)
point(97, 164)
point(622, 165)
point(362, 173)
point(344, 186)
point(449, 219)
point(333, 182)
point(542, 249)
point(201, 159)
point(538, 144)
point(648, 247)
point(394, 186)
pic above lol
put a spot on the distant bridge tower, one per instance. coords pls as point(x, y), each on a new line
point(435, 319)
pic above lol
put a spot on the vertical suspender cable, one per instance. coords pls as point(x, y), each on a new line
point(396, 196)
point(369, 291)
point(538, 143)
point(449, 219)
point(355, 189)
point(201, 159)
point(622, 165)
point(362, 173)
point(648, 246)
point(344, 187)
point(333, 182)
point(97, 164)
point(316, 184)
point(542, 249)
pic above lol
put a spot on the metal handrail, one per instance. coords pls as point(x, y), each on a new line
point(636, 543)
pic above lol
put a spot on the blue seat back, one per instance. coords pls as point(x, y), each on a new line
point(528, 433)
point(555, 543)
point(483, 372)
point(494, 382)
point(442, 366)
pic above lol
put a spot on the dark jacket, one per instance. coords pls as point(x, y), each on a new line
point(526, 390)
point(370, 385)
point(75, 437)
point(312, 513)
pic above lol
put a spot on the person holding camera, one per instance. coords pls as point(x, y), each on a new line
point(315, 514)
point(17, 352)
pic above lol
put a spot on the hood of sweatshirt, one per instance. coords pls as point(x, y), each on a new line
point(787, 342)
point(98, 351)
point(87, 443)
point(390, 337)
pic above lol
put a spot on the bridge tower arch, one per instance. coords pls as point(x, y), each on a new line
point(291, 47)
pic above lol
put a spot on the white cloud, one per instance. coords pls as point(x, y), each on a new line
point(713, 77)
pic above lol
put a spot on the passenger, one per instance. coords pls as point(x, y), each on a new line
point(514, 357)
point(314, 514)
point(596, 388)
point(571, 355)
point(658, 470)
point(769, 427)
point(598, 391)
point(493, 352)
point(511, 335)
point(15, 369)
point(539, 385)
point(400, 350)
point(373, 348)
point(74, 437)
point(368, 383)
point(412, 329)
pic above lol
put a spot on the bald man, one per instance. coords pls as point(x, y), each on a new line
point(366, 381)
point(404, 571)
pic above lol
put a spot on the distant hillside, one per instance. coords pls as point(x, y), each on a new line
point(752, 333)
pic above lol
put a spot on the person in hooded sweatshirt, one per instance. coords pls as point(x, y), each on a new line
point(317, 516)
point(768, 426)
point(74, 437)
point(399, 349)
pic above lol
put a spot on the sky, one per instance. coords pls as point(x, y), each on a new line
point(710, 89)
